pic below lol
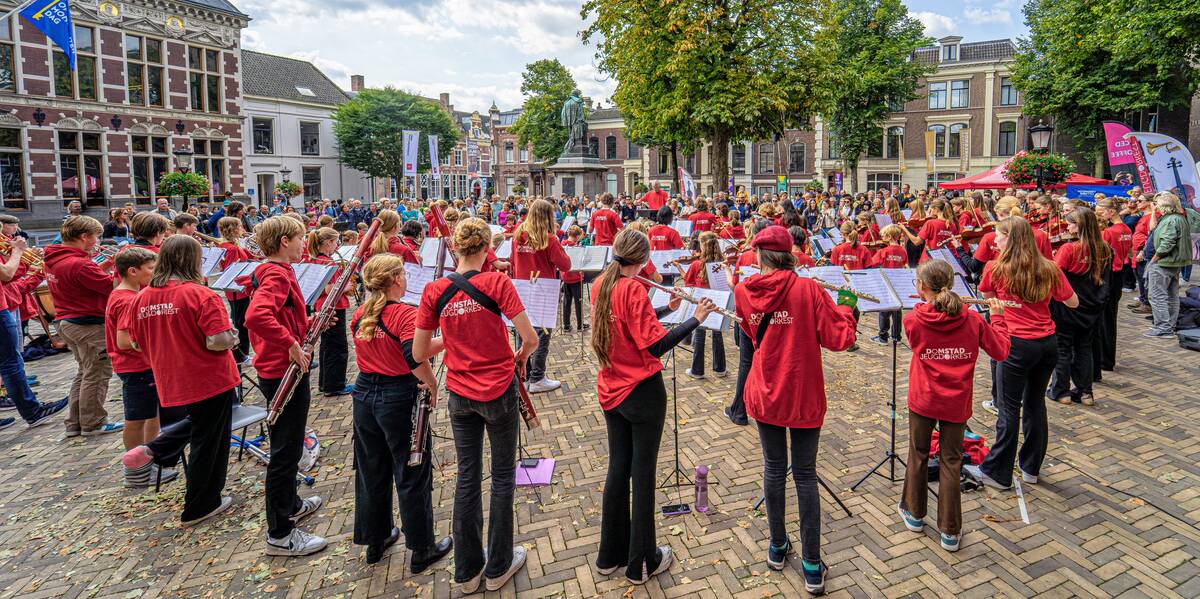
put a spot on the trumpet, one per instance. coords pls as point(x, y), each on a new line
point(31, 257)
point(683, 295)
point(975, 301)
point(106, 253)
point(206, 240)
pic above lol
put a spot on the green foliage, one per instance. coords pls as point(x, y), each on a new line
point(875, 42)
point(814, 185)
point(181, 184)
point(369, 130)
point(1086, 62)
point(1023, 168)
point(546, 85)
point(289, 189)
point(689, 70)
point(640, 188)
point(519, 189)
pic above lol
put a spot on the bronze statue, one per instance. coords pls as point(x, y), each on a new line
point(574, 117)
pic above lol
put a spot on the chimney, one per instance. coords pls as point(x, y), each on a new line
point(357, 83)
point(444, 100)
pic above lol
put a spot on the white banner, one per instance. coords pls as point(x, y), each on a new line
point(1170, 165)
point(689, 185)
point(435, 168)
point(411, 139)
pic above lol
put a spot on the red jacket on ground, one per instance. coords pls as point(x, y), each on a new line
point(941, 376)
point(78, 285)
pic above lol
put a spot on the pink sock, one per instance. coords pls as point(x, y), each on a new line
point(136, 458)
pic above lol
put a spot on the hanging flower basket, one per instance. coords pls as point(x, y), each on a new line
point(289, 189)
point(1023, 168)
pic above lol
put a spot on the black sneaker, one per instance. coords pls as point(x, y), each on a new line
point(777, 556)
point(47, 411)
point(421, 560)
point(6, 403)
point(880, 339)
point(814, 581)
point(743, 421)
point(7, 422)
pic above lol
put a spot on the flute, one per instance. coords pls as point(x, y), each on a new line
point(832, 287)
point(975, 301)
point(683, 295)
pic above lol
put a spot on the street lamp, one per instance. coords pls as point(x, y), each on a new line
point(1040, 134)
point(183, 164)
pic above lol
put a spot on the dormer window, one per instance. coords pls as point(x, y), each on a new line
point(950, 53)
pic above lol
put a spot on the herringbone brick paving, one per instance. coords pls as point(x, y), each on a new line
point(1116, 513)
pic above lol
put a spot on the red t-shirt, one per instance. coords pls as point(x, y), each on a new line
point(850, 257)
point(655, 199)
point(892, 256)
point(1042, 241)
point(944, 349)
point(382, 354)
point(634, 328)
point(79, 287)
point(233, 253)
point(547, 262)
point(1070, 258)
point(399, 248)
point(988, 250)
point(170, 324)
point(803, 260)
point(276, 318)
point(702, 221)
point(936, 233)
point(692, 278)
point(1120, 239)
point(733, 232)
point(663, 237)
point(604, 223)
point(343, 301)
point(748, 258)
point(1031, 320)
point(568, 276)
point(479, 359)
point(115, 316)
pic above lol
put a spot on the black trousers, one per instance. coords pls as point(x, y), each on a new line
point(1021, 397)
point(287, 438)
point(634, 431)
point(237, 312)
point(1074, 363)
point(804, 443)
point(383, 410)
point(206, 430)
point(889, 325)
point(737, 409)
point(1105, 355)
point(698, 351)
point(332, 356)
point(572, 294)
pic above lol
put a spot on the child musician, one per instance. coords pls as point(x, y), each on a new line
point(800, 249)
point(334, 351)
point(388, 242)
point(572, 285)
point(1120, 239)
point(278, 321)
point(697, 276)
point(1022, 275)
point(604, 223)
point(182, 328)
point(149, 230)
point(789, 318)
point(1087, 266)
point(662, 235)
point(938, 231)
point(946, 339)
point(893, 255)
point(384, 396)
point(231, 241)
point(629, 342)
point(480, 368)
point(850, 254)
point(537, 252)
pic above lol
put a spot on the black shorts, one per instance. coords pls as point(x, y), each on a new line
point(139, 394)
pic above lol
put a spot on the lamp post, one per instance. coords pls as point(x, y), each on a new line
point(1040, 134)
point(183, 164)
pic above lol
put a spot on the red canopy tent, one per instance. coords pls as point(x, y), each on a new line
point(994, 179)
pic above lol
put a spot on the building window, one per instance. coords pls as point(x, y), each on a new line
point(739, 158)
point(875, 145)
point(81, 83)
point(960, 93)
point(939, 139)
point(949, 53)
point(204, 79)
point(796, 157)
point(1008, 93)
point(766, 158)
point(312, 182)
point(834, 154)
point(1008, 139)
point(209, 160)
point(662, 164)
point(458, 155)
point(524, 155)
point(149, 163)
point(310, 139)
point(610, 147)
point(893, 142)
point(508, 152)
point(954, 147)
point(937, 95)
point(933, 179)
point(264, 136)
point(763, 191)
point(144, 70)
point(81, 168)
point(12, 170)
point(634, 151)
point(8, 69)
point(594, 146)
point(878, 181)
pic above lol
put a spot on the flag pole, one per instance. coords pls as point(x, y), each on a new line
point(16, 10)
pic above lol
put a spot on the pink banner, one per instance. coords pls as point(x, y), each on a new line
point(1121, 157)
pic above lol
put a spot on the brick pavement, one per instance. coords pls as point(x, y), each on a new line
point(1116, 514)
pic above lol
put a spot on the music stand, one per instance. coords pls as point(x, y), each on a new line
point(900, 285)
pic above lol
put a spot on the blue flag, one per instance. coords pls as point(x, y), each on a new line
point(53, 18)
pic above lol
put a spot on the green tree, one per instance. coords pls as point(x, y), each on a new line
point(1085, 62)
point(875, 71)
point(369, 131)
point(546, 84)
point(713, 69)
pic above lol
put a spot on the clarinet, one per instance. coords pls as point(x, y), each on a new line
point(424, 407)
point(292, 376)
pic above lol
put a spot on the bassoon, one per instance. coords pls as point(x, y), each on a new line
point(424, 406)
point(322, 321)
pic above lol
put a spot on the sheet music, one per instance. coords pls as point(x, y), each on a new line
point(727, 243)
point(429, 252)
point(833, 274)
point(566, 224)
point(589, 259)
point(714, 322)
point(907, 213)
point(225, 282)
point(313, 279)
point(835, 235)
point(540, 299)
point(716, 276)
point(824, 245)
point(496, 229)
point(345, 253)
point(683, 226)
point(872, 282)
point(418, 278)
point(963, 290)
point(904, 283)
point(504, 250)
point(660, 258)
point(747, 271)
point(948, 256)
point(210, 261)
point(883, 220)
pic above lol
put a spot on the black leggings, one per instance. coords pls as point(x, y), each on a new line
point(803, 453)
point(572, 293)
point(237, 311)
point(1021, 400)
point(332, 355)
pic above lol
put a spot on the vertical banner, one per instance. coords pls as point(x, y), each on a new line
point(53, 18)
point(1120, 153)
point(900, 156)
point(731, 186)
point(472, 159)
point(689, 185)
point(1169, 165)
point(964, 149)
point(435, 163)
point(837, 181)
point(930, 152)
point(412, 140)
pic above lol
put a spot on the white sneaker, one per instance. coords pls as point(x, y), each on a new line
point(1028, 478)
point(662, 567)
point(308, 507)
point(977, 472)
point(296, 544)
point(472, 585)
point(518, 562)
point(224, 505)
point(990, 406)
point(544, 385)
point(695, 376)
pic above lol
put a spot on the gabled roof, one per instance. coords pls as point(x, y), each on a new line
point(988, 51)
point(270, 76)
point(605, 113)
point(218, 5)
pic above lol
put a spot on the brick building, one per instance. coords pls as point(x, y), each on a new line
point(515, 166)
point(152, 77)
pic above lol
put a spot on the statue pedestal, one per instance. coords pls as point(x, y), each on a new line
point(577, 174)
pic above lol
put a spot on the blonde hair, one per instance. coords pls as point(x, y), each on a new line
point(178, 258)
point(1168, 203)
point(850, 233)
point(270, 233)
point(77, 226)
point(629, 247)
point(379, 274)
point(1008, 206)
point(472, 236)
point(538, 225)
point(389, 225)
point(1021, 269)
point(228, 226)
point(892, 232)
point(938, 277)
point(318, 236)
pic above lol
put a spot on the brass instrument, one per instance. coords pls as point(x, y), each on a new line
point(206, 240)
point(250, 243)
point(106, 254)
point(687, 297)
point(31, 257)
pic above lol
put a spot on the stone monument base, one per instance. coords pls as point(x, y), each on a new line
point(577, 175)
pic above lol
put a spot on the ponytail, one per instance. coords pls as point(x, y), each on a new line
point(938, 277)
point(850, 233)
point(378, 276)
point(601, 311)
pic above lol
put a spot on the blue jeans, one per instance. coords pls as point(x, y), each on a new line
point(12, 368)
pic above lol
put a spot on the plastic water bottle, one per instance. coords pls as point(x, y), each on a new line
point(702, 489)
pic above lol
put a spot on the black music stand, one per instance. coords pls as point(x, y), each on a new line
point(890, 457)
point(820, 481)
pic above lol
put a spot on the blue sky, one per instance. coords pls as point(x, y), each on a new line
point(476, 49)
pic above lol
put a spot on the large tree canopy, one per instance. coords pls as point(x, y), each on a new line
point(369, 131)
point(546, 85)
point(1085, 62)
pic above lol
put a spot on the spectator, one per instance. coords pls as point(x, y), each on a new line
point(73, 209)
point(1168, 251)
point(164, 208)
point(117, 226)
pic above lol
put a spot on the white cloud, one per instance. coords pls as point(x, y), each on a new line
point(936, 25)
point(979, 16)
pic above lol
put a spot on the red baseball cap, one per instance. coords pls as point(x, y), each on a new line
point(774, 238)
